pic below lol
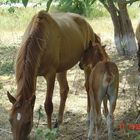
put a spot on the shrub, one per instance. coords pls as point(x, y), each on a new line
point(76, 6)
point(86, 8)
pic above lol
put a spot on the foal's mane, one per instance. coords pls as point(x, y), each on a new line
point(28, 58)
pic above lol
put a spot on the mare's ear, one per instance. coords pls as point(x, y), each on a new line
point(11, 98)
point(103, 46)
point(32, 100)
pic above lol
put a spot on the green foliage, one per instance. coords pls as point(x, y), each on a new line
point(138, 138)
point(82, 7)
point(44, 133)
point(25, 2)
point(7, 68)
point(48, 5)
point(11, 10)
point(87, 8)
point(7, 59)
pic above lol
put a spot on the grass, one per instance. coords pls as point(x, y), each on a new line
point(7, 59)
point(17, 20)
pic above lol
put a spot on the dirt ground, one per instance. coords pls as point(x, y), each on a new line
point(74, 126)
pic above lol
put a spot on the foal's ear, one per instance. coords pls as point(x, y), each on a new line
point(11, 98)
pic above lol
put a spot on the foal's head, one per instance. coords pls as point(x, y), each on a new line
point(21, 117)
point(92, 55)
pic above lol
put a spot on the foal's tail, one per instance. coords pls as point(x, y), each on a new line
point(108, 78)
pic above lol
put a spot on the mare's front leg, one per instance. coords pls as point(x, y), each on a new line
point(64, 88)
point(48, 105)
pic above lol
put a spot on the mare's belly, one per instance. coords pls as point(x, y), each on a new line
point(65, 62)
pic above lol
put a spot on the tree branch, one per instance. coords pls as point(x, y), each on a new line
point(111, 5)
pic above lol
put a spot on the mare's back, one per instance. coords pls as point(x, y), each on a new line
point(73, 27)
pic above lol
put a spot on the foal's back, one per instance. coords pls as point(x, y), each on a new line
point(103, 75)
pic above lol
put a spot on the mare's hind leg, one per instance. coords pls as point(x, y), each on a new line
point(48, 105)
point(64, 88)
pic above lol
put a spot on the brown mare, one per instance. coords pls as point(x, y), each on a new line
point(52, 44)
point(138, 40)
point(102, 81)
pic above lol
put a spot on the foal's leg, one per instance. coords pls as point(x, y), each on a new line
point(105, 110)
point(87, 73)
point(110, 119)
point(91, 124)
point(64, 88)
point(48, 105)
point(98, 118)
point(112, 92)
point(88, 102)
point(92, 116)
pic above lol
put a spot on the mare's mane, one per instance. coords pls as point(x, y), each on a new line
point(28, 58)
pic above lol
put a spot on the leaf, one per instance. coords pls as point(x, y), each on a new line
point(11, 10)
point(48, 5)
point(25, 2)
point(13, 1)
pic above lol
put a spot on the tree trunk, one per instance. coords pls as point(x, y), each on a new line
point(123, 31)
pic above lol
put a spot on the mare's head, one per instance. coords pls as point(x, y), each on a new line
point(21, 117)
point(92, 55)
